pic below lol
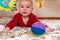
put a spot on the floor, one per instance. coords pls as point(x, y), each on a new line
point(26, 34)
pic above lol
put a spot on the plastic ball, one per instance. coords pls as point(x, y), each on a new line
point(38, 28)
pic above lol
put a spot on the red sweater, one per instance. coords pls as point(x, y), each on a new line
point(17, 20)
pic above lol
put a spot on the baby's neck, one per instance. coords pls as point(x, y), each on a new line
point(24, 16)
point(25, 19)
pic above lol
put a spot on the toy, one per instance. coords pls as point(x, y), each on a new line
point(38, 28)
point(7, 5)
point(38, 4)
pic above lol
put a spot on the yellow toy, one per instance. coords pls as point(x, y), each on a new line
point(38, 4)
point(7, 5)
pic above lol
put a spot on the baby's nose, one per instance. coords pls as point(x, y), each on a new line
point(25, 9)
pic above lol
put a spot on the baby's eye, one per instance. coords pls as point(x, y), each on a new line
point(27, 6)
point(22, 6)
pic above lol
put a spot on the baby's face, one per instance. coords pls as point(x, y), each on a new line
point(25, 8)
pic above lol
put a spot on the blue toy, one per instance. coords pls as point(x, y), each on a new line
point(7, 5)
point(38, 28)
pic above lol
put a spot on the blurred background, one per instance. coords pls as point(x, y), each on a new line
point(51, 8)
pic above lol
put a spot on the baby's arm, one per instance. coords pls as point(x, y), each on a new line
point(48, 29)
point(7, 29)
point(12, 23)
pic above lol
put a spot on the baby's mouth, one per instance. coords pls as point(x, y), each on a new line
point(24, 12)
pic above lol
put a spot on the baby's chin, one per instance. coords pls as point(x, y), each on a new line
point(25, 15)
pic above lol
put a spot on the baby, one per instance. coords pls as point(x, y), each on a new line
point(25, 17)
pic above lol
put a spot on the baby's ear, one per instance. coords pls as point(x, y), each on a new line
point(32, 8)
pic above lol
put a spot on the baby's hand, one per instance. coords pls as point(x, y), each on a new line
point(48, 29)
point(6, 29)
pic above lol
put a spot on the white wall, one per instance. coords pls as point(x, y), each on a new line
point(51, 8)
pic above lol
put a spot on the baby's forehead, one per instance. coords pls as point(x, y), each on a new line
point(26, 0)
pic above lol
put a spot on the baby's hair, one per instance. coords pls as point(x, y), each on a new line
point(26, 0)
